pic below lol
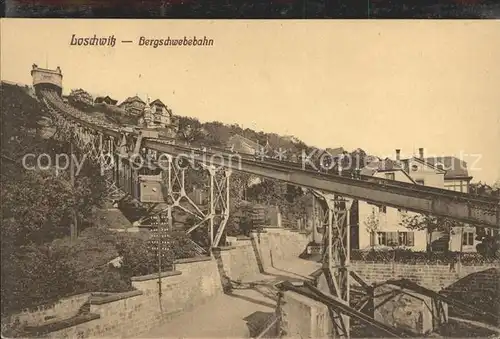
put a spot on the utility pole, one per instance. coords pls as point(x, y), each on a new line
point(159, 231)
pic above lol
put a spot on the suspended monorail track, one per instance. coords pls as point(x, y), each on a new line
point(478, 210)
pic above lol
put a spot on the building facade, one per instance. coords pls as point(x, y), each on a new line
point(161, 114)
point(155, 115)
point(382, 225)
point(133, 105)
point(379, 226)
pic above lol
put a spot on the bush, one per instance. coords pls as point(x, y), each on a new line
point(137, 257)
point(490, 246)
point(38, 274)
point(407, 256)
point(140, 255)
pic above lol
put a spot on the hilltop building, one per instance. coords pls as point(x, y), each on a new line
point(155, 115)
point(133, 105)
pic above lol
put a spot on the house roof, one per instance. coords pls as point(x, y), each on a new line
point(101, 99)
point(132, 99)
point(158, 102)
point(384, 166)
point(454, 167)
point(406, 164)
point(244, 140)
point(333, 152)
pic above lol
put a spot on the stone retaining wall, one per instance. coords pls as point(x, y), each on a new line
point(40, 314)
point(130, 314)
point(275, 245)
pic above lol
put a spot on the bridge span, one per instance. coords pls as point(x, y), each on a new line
point(478, 210)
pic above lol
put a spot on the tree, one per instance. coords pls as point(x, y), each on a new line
point(81, 99)
point(490, 243)
point(430, 224)
point(190, 130)
point(237, 189)
point(240, 220)
point(372, 224)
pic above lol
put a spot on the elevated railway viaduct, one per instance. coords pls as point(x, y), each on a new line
point(118, 149)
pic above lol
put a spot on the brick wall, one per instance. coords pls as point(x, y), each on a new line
point(194, 282)
point(435, 277)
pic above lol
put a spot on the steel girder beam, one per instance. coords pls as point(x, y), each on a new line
point(481, 211)
point(484, 212)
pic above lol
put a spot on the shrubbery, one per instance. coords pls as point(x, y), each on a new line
point(411, 257)
point(39, 274)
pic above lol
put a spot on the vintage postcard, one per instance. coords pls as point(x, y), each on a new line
point(250, 179)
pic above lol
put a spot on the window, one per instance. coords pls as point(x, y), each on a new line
point(158, 110)
point(382, 209)
point(459, 186)
point(389, 176)
point(420, 182)
point(396, 238)
point(468, 239)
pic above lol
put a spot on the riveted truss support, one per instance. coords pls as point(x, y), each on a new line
point(219, 202)
point(334, 217)
point(172, 173)
point(128, 168)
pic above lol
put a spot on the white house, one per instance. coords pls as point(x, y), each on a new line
point(389, 231)
point(441, 172)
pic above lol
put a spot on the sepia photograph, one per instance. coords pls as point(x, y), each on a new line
point(250, 179)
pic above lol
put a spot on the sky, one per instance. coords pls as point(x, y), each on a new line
point(378, 85)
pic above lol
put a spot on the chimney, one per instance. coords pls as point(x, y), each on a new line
point(421, 152)
point(398, 154)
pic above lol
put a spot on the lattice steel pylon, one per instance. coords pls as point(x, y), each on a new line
point(334, 216)
point(171, 186)
point(122, 160)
